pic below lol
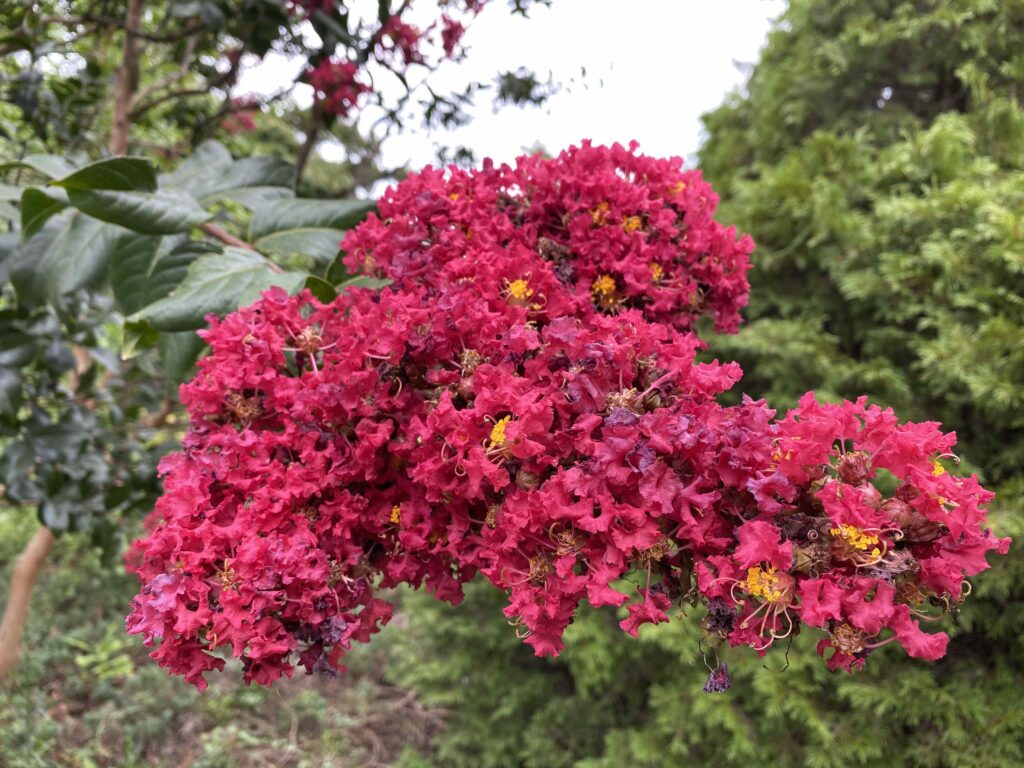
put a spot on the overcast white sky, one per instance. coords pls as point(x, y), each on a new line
point(652, 68)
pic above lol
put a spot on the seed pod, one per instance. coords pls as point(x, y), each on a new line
point(854, 468)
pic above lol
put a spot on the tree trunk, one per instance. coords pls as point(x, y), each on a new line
point(22, 580)
point(312, 137)
point(127, 82)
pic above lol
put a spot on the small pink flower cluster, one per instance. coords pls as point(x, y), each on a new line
point(399, 44)
point(523, 401)
point(335, 85)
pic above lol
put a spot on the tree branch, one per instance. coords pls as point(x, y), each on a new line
point(26, 570)
point(175, 77)
point(169, 96)
point(228, 239)
point(224, 236)
point(127, 80)
point(135, 31)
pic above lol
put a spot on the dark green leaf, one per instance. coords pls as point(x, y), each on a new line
point(122, 174)
point(37, 206)
point(211, 174)
point(364, 281)
point(65, 256)
point(10, 392)
point(55, 513)
point(218, 284)
point(157, 213)
point(301, 213)
point(179, 352)
point(209, 154)
point(84, 258)
point(320, 245)
point(17, 348)
point(146, 268)
point(9, 242)
point(245, 173)
point(50, 166)
point(320, 288)
point(256, 197)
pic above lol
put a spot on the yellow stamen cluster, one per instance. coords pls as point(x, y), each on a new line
point(600, 214)
point(937, 469)
point(497, 439)
point(657, 273)
point(519, 290)
point(632, 223)
point(763, 583)
point(396, 514)
point(857, 538)
point(603, 292)
point(679, 187)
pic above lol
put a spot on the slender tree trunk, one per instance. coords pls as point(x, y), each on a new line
point(306, 150)
point(127, 82)
point(26, 569)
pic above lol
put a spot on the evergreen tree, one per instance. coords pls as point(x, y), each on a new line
point(877, 155)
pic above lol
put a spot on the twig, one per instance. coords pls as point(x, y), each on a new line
point(225, 237)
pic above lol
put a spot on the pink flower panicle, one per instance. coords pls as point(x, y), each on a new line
point(335, 85)
point(524, 402)
point(338, 82)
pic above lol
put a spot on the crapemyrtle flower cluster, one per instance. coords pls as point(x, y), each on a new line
point(616, 229)
point(524, 401)
point(335, 85)
point(338, 81)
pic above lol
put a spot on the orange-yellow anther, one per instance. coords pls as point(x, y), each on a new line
point(632, 223)
point(497, 439)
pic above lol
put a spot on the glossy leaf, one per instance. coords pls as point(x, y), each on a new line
point(217, 284)
point(37, 206)
point(179, 352)
point(50, 166)
point(117, 173)
point(157, 213)
point(321, 246)
point(67, 255)
point(146, 268)
point(307, 214)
